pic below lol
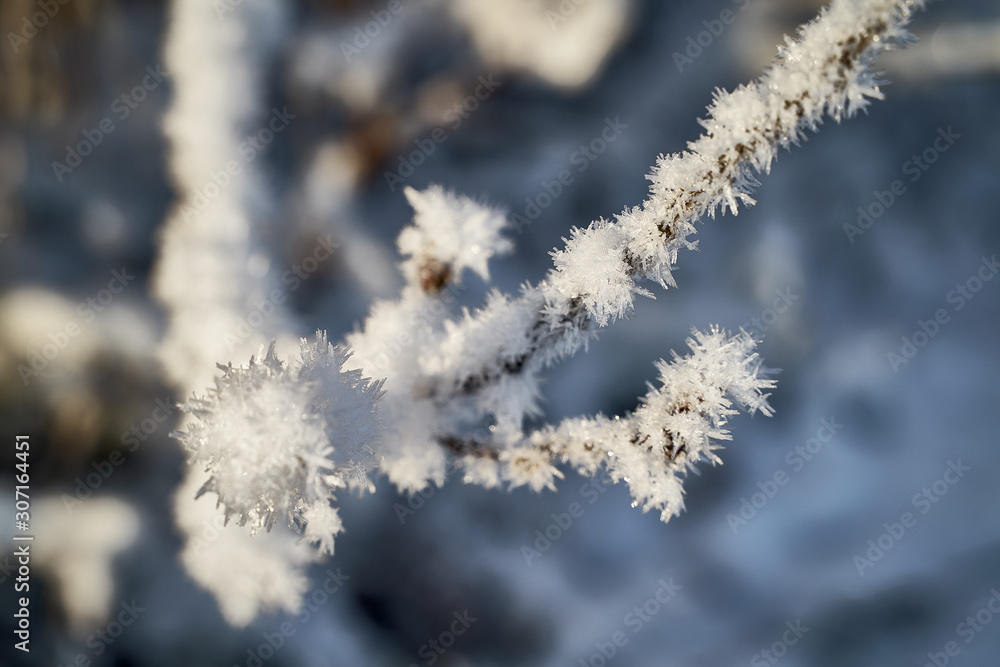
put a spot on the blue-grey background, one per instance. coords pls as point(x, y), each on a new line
point(792, 563)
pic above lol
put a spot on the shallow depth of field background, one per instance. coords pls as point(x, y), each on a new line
point(851, 304)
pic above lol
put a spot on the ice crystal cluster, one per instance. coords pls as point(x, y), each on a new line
point(675, 426)
point(429, 389)
point(279, 440)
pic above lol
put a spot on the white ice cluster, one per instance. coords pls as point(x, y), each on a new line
point(449, 234)
point(445, 401)
point(467, 389)
point(674, 427)
point(279, 439)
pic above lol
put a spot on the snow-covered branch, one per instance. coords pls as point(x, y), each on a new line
point(213, 272)
point(489, 361)
point(826, 71)
point(278, 438)
point(675, 424)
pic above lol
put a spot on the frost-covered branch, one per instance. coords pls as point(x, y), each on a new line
point(825, 71)
point(212, 272)
point(485, 366)
point(675, 425)
point(276, 439)
point(213, 265)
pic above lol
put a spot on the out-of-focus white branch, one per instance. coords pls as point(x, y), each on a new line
point(214, 267)
point(214, 270)
point(951, 50)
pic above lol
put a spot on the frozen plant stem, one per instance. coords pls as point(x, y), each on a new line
point(825, 71)
point(462, 387)
point(212, 272)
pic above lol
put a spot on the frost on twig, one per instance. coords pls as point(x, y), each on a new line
point(213, 271)
point(400, 337)
point(826, 71)
point(449, 235)
point(273, 437)
point(675, 425)
point(485, 367)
